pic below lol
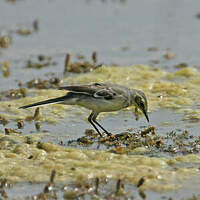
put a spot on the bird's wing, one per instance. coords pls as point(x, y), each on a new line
point(97, 90)
point(106, 93)
point(89, 89)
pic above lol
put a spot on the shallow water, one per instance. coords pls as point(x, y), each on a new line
point(82, 27)
point(28, 190)
point(121, 33)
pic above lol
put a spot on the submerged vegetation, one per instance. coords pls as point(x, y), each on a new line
point(179, 90)
point(145, 142)
point(73, 164)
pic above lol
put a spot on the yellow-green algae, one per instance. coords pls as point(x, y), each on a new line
point(32, 161)
point(179, 90)
point(10, 109)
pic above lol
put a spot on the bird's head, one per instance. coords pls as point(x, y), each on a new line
point(140, 101)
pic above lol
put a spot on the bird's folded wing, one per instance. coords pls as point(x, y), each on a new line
point(97, 90)
point(105, 93)
point(79, 89)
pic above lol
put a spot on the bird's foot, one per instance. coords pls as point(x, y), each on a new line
point(107, 138)
point(110, 136)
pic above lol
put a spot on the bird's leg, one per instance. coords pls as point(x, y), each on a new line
point(90, 118)
point(94, 120)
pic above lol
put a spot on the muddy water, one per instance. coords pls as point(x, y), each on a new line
point(121, 34)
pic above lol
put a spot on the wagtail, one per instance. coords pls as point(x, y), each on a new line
point(100, 97)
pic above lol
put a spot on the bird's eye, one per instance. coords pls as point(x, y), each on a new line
point(97, 84)
point(142, 104)
point(138, 100)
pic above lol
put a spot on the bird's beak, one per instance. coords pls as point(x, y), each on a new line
point(146, 115)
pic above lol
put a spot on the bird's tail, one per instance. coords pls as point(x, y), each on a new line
point(54, 100)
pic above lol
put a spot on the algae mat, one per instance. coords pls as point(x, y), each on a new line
point(25, 159)
point(179, 90)
point(24, 162)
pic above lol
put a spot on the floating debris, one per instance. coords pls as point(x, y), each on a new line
point(153, 49)
point(119, 187)
point(91, 133)
point(198, 15)
point(24, 31)
point(49, 187)
point(42, 58)
point(43, 61)
point(16, 94)
point(3, 193)
point(125, 48)
point(181, 65)
point(13, 94)
point(35, 117)
point(3, 120)
point(169, 56)
point(84, 141)
point(12, 1)
point(4, 184)
point(96, 190)
point(37, 114)
point(36, 25)
point(80, 67)
point(53, 82)
point(5, 41)
point(20, 124)
point(143, 142)
point(9, 131)
point(155, 62)
point(148, 130)
point(49, 191)
point(5, 68)
point(80, 57)
point(136, 114)
point(37, 126)
point(142, 194)
point(94, 57)
point(67, 62)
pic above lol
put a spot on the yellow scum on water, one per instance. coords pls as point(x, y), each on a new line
point(179, 90)
point(23, 161)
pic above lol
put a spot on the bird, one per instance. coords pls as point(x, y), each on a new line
point(99, 97)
